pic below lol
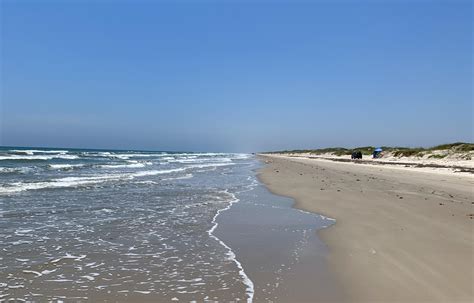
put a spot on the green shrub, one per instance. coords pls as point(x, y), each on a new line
point(417, 152)
point(445, 146)
point(437, 156)
point(466, 147)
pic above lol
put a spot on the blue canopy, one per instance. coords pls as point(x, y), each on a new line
point(378, 149)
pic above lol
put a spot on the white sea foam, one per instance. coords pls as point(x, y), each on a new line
point(69, 256)
point(150, 182)
point(327, 218)
point(38, 157)
point(210, 165)
point(80, 181)
point(167, 158)
point(133, 165)
point(105, 154)
point(20, 170)
point(56, 183)
point(241, 156)
point(201, 160)
point(157, 172)
point(187, 176)
point(64, 166)
point(36, 151)
point(202, 154)
point(39, 274)
point(125, 156)
point(234, 155)
point(231, 255)
point(142, 292)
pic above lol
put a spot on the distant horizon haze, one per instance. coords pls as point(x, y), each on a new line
point(235, 77)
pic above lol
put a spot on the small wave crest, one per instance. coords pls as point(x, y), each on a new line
point(65, 166)
point(210, 165)
point(132, 165)
point(37, 157)
point(16, 170)
point(36, 151)
point(187, 176)
point(73, 182)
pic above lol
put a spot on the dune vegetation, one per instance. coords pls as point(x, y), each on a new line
point(459, 149)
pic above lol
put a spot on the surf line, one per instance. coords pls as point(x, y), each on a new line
point(230, 254)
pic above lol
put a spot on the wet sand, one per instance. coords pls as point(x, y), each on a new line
point(278, 248)
point(400, 236)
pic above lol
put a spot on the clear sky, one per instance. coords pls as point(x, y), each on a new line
point(235, 76)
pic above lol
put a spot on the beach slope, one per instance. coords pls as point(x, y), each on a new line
point(400, 236)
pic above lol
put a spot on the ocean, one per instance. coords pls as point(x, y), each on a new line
point(81, 225)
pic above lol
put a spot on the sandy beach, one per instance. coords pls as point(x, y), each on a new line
point(401, 235)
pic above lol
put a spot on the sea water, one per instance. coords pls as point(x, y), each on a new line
point(123, 225)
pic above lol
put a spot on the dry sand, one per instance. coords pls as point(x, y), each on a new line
point(400, 236)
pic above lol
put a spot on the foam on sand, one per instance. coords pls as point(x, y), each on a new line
point(250, 290)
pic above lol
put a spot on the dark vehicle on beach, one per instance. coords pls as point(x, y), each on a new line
point(356, 155)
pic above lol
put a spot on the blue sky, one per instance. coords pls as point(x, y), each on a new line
point(235, 76)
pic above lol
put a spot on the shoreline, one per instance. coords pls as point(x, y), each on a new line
point(250, 288)
point(277, 246)
point(401, 234)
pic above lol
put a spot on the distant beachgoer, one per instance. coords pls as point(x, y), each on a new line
point(377, 153)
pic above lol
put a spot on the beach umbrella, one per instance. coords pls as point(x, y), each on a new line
point(378, 149)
